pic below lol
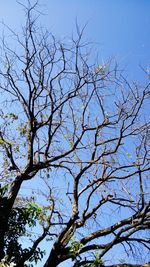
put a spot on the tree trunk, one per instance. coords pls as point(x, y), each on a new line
point(3, 226)
point(53, 259)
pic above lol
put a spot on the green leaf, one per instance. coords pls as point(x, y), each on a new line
point(129, 155)
point(2, 141)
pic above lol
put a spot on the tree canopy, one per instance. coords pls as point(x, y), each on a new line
point(77, 132)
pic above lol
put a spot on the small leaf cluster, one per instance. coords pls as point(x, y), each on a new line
point(97, 262)
point(75, 246)
point(22, 128)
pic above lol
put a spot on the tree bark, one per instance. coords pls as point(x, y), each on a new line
point(52, 260)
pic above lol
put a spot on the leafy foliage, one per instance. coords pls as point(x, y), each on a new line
point(19, 224)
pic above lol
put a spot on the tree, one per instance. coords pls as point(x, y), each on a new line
point(81, 130)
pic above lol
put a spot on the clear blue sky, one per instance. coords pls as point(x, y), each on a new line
point(119, 28)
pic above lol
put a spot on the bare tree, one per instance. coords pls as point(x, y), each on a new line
point(82, 130)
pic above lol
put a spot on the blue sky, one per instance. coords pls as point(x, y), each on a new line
point(118, 28)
